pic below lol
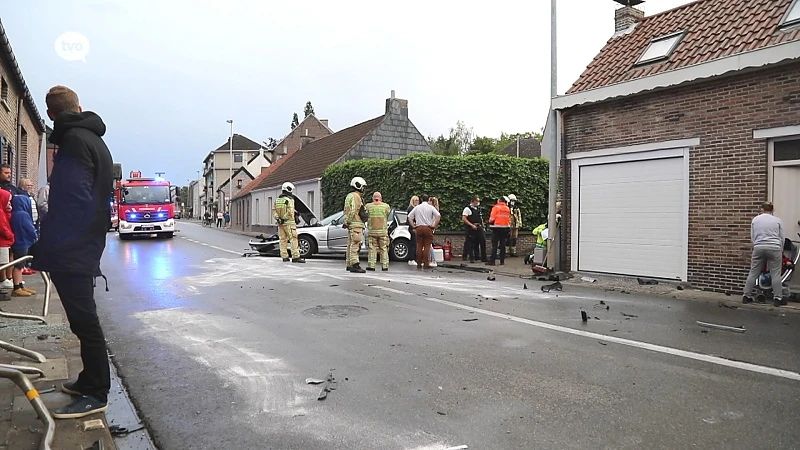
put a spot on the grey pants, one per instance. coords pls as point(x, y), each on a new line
point(773, 257)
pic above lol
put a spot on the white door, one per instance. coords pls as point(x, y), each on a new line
point(786, 198)
point(632, 218)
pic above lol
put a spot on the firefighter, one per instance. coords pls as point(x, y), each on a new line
point(516, 224)
point(285, 216)
point(354, 218)
point(378, 234)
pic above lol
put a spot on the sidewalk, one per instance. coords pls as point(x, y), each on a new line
point(20, 428)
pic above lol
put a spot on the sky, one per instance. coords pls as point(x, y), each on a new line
point(166, 75)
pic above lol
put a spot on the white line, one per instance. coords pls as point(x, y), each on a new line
point(652, 347)
point(388, 289)
point(335, 277)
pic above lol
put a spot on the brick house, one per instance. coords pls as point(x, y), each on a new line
point(675, 133)
point(21, 126)
point(391, 135)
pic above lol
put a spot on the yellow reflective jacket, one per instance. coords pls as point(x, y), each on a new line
point(378, 216)
point(352, 204)
point(284, 209)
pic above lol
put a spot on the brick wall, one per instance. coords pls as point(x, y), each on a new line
point(29, 159)
point(728, 170)
point(525, 243)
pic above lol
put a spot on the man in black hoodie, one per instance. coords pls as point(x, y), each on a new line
point(73, 238)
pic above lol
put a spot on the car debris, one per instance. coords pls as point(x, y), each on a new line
point(317, 380)
point(469, 320)
point(330, 385)
point(553, 286)
point(589, 279)
point(715, 326)
point(524, 286)
point(490, 278)
point(458, 447)
point(725, 305)
point(584, 316)
point(629, 315)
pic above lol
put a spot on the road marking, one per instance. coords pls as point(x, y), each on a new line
point(388, 289)
point(643, 345)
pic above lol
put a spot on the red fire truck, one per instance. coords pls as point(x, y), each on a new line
point(145, 207)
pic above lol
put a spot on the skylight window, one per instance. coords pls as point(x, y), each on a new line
point(660, 48)
point(793, 16)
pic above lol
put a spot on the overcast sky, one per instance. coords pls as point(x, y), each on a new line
point(165, 75)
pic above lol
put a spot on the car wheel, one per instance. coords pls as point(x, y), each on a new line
point(400, 249)
point(307, 246)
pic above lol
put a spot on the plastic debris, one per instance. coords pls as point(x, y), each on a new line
point(588, 279)
point(629, 315)
point(314, 381)
point(458, 447)
point(721, 327)
point(524, 286)
point(557, 286)
point(330, 385)
point(584, 316)
point(469, 320)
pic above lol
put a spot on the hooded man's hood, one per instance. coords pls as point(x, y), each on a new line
point(69, 119)
point(21, 203)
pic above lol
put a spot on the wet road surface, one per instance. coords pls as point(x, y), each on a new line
point(215, 350)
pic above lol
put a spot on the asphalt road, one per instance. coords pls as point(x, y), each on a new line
point(215, 350)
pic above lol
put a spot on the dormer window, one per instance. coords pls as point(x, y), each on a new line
point(660, 48)
point(793, 15)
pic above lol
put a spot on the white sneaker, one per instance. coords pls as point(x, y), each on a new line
point(7, 284)
point(433, 264)
point(410, 263)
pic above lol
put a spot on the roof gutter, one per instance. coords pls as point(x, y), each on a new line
point(758, 58)
point(16, 72)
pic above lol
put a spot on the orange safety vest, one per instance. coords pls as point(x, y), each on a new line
point(500, 215)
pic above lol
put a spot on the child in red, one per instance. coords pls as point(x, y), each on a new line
point(6, 235)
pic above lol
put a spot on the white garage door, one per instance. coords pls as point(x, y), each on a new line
point(632, 218)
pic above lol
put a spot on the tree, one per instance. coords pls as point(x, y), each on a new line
point(295, 121)
point(483, 145)
point(184, 195)
point(457, 143)
point(309, 109)
point(270, 143)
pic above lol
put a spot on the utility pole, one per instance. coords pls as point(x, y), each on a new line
point(230, 177)
point(553, 254)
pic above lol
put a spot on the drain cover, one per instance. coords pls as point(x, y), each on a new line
point(335, 311)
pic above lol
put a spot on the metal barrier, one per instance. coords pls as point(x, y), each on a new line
point(17, 373)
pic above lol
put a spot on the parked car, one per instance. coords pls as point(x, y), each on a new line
point(327, 236)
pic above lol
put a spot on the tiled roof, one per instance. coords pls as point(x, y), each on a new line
point(239, 143)
point(310, 161)
point(528, 148)
point(260, 178)
point(714, 29)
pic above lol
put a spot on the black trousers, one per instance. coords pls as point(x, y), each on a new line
point(77, 297)
point(412, 252)
point(475, 244)
point(499, 238)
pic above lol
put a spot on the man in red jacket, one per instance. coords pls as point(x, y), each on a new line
point(500, 222)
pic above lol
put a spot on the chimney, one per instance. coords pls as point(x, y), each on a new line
point(305, 139)
point(627, 15)
point(396, 106)
point(324, 121)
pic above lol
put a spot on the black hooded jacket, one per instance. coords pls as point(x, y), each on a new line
point(73, 233)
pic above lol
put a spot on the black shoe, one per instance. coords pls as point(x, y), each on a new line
point(356, 268)
point(502, 263)
point(285, 259)
point(298, 260)
point(746, 299)
point(489, 263)
point(371, 269)
point(472, 261)
point(82, 407)
point(777, 301)
point(385, 269)
point(71, 388)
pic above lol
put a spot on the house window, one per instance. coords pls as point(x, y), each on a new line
point(239, 183)
point(660, 48)
point(793, 15)
point(237, 157)
point(310, 200)
point(4, 90)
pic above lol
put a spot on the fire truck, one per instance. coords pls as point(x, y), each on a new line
point(145, 207)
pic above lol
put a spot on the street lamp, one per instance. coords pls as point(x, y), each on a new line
point(230, 155)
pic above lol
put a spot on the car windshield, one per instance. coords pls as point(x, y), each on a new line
point(334, 218)
point(138, 195)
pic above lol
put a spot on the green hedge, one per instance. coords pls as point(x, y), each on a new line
point(453, 180)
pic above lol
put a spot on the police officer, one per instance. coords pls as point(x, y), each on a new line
point(516, 224)
point(475, 239)
point(354, 217)
point(378, 231)
point(286, 216)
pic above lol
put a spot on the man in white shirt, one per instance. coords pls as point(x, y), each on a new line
point(767, 234)
point(424, 218)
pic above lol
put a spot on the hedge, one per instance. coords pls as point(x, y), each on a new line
point(453, 180)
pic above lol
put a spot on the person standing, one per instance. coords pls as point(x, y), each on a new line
point(287, 227)
point(41, 200)
point(6, 241)
point(768, 235)
point(412, 250)
point(475, 236)
point(73, 239)
point(424, 218)
point(515, 224)
point(378, 231)
point(7, 185)
point(354, 217)
point(24, 238)
point(220, 219)
point(499, 221)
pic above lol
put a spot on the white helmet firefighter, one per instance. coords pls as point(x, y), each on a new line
point(286, 218)
point(355, 218)
point(288, 188)
point(516, 224)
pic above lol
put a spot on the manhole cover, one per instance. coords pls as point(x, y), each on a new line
point(336, 311)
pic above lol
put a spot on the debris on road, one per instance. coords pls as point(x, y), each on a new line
point(725, 305)
point(601, 343)
point(117, 430)
point(629, 315)
point(524, 286)
point(458, 447)
point(330, 385)
point(646, 281)
point(715, 326)
point(490, 278)
point(589, 279)
point(584, 316)
point(314, 381)
point(469, 320)
point(553, 286)
point(441, 413)
point(48, 390)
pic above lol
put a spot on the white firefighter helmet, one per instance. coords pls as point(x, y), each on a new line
point(512, 197)
point(505, 198)
point(358, 183)
point(288, 187)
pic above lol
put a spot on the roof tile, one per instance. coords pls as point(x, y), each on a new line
point(714, 29)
